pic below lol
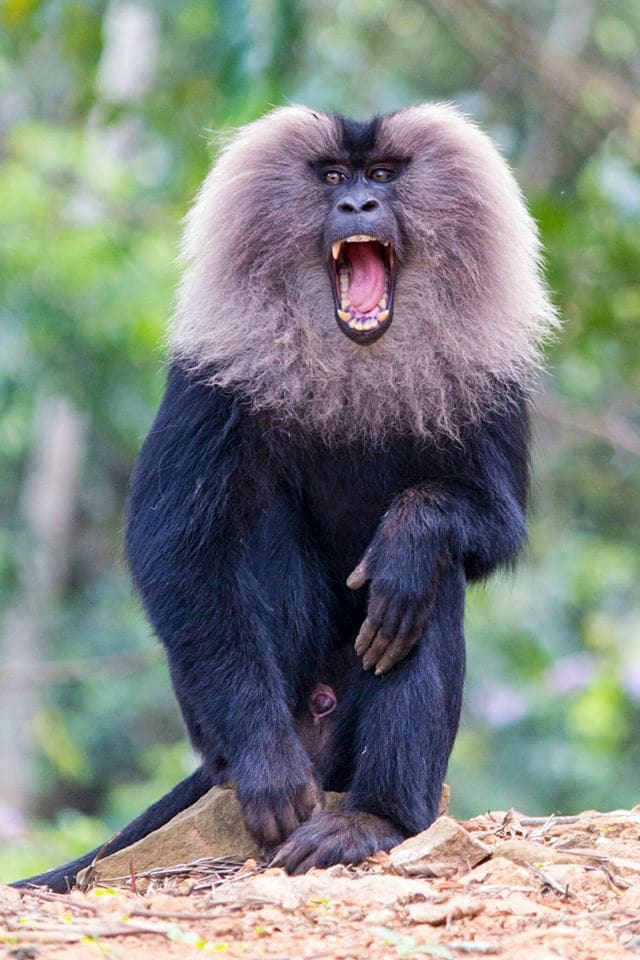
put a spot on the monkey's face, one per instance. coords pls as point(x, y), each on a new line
point(312, 232)
point(361, 230)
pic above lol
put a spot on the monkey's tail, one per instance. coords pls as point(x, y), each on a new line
point(61, 879)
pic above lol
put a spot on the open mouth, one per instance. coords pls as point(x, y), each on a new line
point(363, 283)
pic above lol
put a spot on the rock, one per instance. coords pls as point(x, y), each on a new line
point(519, 905)
point(441, 851)
point(498, 871)
point(536, 854)
point(630, 899)
point(579, 880)
point(366, 891)
point(529, 852)
point(381, 918)
point(212, 827)
point(445, 800)
point(436, 914)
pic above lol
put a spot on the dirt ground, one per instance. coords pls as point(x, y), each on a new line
point(560, 887)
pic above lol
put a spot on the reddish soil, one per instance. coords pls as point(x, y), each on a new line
point(548, 889)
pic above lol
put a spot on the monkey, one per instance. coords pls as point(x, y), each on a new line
point(341, 448)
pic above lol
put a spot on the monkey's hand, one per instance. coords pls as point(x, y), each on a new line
point(276, 794)
point(402, 590)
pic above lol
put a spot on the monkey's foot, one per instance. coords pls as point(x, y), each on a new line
point(341, 837)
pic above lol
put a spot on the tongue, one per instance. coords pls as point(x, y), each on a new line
point(367, 275)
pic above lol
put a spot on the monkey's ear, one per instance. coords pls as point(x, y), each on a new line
point(358, 577)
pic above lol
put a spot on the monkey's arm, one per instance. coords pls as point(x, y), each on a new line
point(201, 510)
point(477, 518)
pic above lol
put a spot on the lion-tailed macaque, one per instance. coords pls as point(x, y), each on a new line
point(341, 448)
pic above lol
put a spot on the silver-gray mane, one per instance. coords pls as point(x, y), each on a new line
point(255, 310)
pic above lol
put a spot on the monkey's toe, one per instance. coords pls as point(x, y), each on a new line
point(342, 837)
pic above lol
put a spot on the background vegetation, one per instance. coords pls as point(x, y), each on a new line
point(105, 116)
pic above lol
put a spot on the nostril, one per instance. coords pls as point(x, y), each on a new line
point(354, 204)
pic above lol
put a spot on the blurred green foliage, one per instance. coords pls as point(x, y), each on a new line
point(95, 177)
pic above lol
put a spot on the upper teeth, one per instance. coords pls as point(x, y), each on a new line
point(355, 238)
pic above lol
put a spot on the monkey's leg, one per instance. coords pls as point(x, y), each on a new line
point(235, 594)
point(182, 796)
point(239, 658)
point(404, 734)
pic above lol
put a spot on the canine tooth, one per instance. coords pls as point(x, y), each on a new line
point(344, 316)
point(383, 315)
point(335, 249)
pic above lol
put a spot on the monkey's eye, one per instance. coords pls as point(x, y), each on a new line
point(333, 177)
point(381, 174)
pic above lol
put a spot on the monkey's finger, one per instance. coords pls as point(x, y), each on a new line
point(375, 615)
point(368, 631)
point(288, 820)
point(376, 650)
point(358, 577)
point(405, 638)
point(396, 618)
point(395, 652)
point(261, 824)
point(413, 623)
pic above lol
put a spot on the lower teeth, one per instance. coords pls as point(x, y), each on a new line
point(362, 324)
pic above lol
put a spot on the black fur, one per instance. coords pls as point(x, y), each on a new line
point(358, 137)
point(240, 538)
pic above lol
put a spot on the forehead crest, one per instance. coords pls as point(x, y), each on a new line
point(358, 138)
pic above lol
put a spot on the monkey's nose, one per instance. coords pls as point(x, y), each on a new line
point(352, 204)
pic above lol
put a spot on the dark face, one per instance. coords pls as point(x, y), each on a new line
point(361, 232)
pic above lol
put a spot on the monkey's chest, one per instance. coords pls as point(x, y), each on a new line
point(345, 494)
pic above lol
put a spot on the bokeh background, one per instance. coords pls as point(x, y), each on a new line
point(108, 116)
